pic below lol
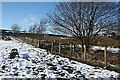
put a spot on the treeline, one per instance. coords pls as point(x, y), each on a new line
point(38, 28)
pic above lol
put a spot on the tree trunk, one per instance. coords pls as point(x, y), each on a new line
point(82, 47)
point(87, 47)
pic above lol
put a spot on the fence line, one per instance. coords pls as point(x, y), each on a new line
point(68, 49)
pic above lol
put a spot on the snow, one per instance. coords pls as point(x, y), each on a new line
point(36, 62)
point(109, 49)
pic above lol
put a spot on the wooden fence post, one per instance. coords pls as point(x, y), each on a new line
point(73, 48)
point(23, 38)
point(105, 56)
point(52, 44)
point(38, 43)
point(30, 40)
point(85, 53)
point(26, 38)
point(75, 54)
point(59, 47)
point(70, 51)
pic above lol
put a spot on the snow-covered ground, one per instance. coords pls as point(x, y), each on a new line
point(109, 49)
point(35, 62)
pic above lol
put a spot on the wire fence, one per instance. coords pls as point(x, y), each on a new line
point(73, 51)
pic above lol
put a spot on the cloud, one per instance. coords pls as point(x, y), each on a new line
point(30, 20)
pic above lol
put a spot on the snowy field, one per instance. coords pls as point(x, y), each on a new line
point(38, 63)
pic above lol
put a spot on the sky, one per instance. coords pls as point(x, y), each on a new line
point(25, 13)
point(0, 14)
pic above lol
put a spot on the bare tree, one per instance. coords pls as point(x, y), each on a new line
point(39, 28)
point(15, 28)
point(85, 20)
point(32, 29)
point(42, 26)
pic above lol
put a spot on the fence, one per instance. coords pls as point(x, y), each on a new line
point(72, 50)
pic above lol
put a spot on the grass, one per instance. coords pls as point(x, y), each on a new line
point(104, 41)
